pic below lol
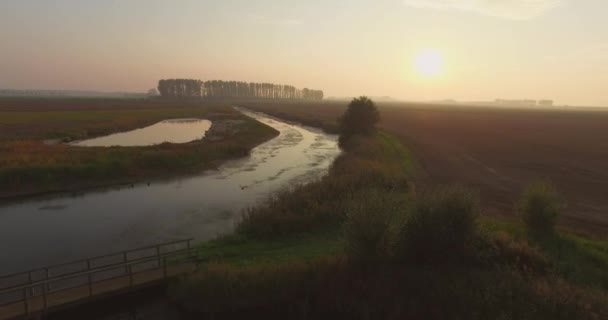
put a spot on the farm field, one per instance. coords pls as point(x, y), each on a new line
point(497, 151)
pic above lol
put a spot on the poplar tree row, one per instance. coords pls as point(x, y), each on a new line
point(189, 88)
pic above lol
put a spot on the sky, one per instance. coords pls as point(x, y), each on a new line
point(477, 49)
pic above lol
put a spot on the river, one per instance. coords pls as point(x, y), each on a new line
point(51, 230)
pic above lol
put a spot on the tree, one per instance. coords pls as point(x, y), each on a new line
point(361, 117)
point(190, 88)
point(152, 92)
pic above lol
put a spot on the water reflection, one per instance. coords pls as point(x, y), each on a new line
point(173, 131)
point(48, 231)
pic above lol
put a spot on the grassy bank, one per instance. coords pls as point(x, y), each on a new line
point(29, 165)
point(357, 245)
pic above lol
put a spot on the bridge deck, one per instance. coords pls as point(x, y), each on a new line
point(45, 290)
point(81, 293)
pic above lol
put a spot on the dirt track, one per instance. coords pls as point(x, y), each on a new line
point(499, 151)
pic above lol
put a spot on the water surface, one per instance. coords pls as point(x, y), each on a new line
point(172, 131)
point(53, 230)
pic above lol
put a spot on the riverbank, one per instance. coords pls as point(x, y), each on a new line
point(326, 250)
point(30, 165)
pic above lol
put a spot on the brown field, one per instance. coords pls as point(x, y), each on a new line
point(497, 151)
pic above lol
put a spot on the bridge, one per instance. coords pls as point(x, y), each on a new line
point(41, 291)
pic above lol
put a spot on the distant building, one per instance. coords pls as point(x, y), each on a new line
point(515, 103)
point(524, 103)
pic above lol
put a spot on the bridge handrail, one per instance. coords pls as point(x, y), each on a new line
point(93, 271)
point(47, 268)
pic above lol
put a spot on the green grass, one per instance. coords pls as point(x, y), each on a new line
point(243, 250)
point(581, 260)
point(394, 151)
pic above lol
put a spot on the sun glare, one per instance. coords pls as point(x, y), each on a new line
point(429, 63)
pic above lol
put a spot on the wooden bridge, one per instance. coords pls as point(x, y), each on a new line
point(40, 291)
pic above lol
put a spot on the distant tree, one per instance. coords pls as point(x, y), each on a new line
point(190, 88)
point(361, 117)
point(152, 92)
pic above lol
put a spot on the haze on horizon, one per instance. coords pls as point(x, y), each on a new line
point(408, 49)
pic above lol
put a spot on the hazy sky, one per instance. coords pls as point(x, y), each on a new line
point(489, 48)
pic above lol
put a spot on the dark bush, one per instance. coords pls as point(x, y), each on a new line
point(500, 250)
point(440, 227)
point(334, 288)
point(361, 117)
point(539, 209)
point(368, 229)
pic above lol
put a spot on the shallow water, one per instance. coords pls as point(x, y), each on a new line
point(47, 231)
point(173, 131)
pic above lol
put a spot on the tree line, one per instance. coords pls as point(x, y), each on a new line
point(190, 88)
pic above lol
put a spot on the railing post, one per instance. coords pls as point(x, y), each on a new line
point(190, 254)
point(124, 260)
point(164, 267)
point(90, 281)
point(26, 302)
point(29, 279)
point(46, 277)
point(130, 275)
point(158, 255)
point(89, 278)
point(45, 302)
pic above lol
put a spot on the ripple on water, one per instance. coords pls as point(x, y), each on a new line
point(53, 207)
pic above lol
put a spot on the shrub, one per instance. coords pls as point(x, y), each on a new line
point(361, 117)
point(539, 209)
point(276, 291)
point(441, 226)
point(367, 229)
point(333, 288)
point(500, 249)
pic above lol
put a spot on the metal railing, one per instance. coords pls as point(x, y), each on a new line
point(27, 286)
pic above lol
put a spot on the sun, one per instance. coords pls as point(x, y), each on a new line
point(429, 63)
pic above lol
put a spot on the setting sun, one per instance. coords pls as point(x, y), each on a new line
point(429, 63)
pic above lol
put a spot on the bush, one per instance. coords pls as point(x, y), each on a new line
point(333, 288)
point(277, 291)
point(367, 229)
point(539, 209)
point(361, 117)
point(500, 249)
point(441, 226)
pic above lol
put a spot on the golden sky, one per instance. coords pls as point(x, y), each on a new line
point(407, 49)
